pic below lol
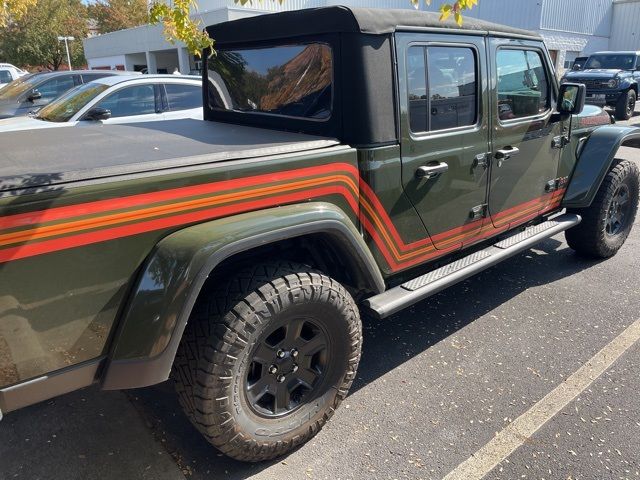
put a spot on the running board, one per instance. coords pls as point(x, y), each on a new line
point(424, 286)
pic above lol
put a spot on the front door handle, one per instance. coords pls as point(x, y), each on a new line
point(431, 171)
point(505, 154)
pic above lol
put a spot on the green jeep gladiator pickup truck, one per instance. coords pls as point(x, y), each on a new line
point(350, 161)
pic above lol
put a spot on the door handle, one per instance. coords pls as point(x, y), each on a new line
point(431, 171)
point(505, 154)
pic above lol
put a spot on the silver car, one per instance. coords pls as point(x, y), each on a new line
point(118, 99)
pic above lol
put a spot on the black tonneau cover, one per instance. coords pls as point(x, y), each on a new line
point(49, 156)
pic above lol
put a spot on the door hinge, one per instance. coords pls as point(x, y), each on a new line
point(481, 160)
point(560, 141)
point(479, 211)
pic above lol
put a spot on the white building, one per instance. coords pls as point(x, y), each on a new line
point(570, 29)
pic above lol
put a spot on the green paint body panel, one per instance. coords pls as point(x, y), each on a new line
point(59, 309)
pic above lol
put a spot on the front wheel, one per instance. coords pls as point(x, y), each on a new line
point(606, 224)
point(626, 105)
point(267, 358)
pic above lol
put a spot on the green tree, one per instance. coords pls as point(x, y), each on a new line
point(33, 39)
point(112, 15)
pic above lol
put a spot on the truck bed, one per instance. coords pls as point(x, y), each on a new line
point(35, 158)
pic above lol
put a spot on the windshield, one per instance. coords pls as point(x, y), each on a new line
point(18, 87)
point(66, 106)
point(291, 80)
point(611, 61)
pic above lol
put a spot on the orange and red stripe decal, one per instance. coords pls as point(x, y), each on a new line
point(60, 228)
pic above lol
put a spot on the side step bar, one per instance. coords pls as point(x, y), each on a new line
point(424, 286)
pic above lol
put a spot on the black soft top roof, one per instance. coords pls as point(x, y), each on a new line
point(340, 19)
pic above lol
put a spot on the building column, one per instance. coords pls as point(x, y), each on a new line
point(152, 66)
point(183, 61)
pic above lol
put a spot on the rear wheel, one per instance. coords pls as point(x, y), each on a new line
point(267, 358)
point(607, 222)
point(626, 105)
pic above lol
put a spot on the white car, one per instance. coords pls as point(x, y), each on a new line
point(8, 73)
point(118, 99)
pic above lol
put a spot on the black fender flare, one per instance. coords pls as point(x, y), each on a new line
point(150, 330)
point(595, 158)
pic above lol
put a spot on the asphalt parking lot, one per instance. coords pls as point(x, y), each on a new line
point(528, 370)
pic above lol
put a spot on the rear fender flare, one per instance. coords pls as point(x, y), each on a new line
point(595, 159)
point(145, 344)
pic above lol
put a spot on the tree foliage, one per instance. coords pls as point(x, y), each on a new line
point(112, 15)
point(446, 9)
point(33, 38)
point(14, 10)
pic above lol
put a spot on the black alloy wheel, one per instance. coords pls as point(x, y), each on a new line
point(618, 212)
point(288, 365)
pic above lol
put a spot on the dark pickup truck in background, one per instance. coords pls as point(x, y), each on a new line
point(611, 79)
point(351, 161)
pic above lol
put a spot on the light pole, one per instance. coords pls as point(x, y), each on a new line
point(66, 44)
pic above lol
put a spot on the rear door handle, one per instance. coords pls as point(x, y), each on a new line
point(431, 171)
point(505, 154)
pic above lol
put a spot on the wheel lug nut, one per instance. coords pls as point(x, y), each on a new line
point(281, 378)
point(294, 353)
point(294, 368)
point(280, 354)
point(273, 369)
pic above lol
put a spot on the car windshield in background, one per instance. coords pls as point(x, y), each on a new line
point(18, 87)
point(617, 62)
point(65, 107)
point(293, 80)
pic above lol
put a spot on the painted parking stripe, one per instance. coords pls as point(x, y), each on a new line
point(517, 433)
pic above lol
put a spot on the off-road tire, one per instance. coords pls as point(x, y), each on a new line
point(622, 105)
point(227, 324)
point(590, 237)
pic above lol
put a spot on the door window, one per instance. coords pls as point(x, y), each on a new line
point(130, 101)
point(55, 87)
point(444, 94)
point(183, 97)
point(523, 86)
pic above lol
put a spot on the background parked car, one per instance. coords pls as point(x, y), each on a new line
point(118, 99)
point(9, 73)
point(612, 80)
point(34, 91)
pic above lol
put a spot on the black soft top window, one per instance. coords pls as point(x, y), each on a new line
point(287, 80)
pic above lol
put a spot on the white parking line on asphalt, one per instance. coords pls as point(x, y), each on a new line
point(517, 433)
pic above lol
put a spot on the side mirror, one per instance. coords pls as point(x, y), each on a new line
point(98, 113)
point(35, 95)
point(571, 98)
point(576, 66)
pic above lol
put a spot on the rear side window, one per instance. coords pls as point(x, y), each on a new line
point(289, 80)
point(523, 86)
point(183, 97)
point(442, 86)
point(130, 101)
point(5, 76)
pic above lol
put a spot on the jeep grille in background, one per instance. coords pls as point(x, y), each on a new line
point(596, 84)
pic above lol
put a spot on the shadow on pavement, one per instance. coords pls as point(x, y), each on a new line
point(387, 344)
